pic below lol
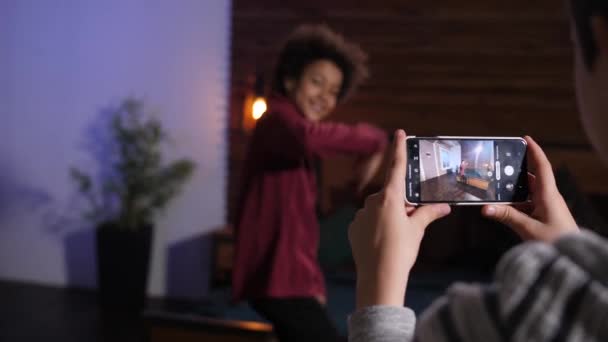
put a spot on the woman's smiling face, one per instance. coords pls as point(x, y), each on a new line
point(316, 92)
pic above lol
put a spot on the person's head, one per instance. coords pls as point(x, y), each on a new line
point(589, 29)
point(317, 68)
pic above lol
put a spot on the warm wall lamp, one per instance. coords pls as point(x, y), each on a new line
point(255, 104)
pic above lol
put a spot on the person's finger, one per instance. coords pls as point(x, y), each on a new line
point(526, 207)
point(532, 190)
point(370, 201)
point(409, 209)
point(508, 215)
point(359, 216)
point(531, 183)
point(540, 165)
point(395, 175)
point(423, 216)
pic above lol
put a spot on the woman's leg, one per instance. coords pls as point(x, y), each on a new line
point(297, 319)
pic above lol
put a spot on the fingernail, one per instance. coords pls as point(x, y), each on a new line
point(491, 210)
point(398, 133)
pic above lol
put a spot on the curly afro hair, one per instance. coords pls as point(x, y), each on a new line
point(310, 43)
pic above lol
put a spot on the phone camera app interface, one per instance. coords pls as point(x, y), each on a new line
point(465, 170)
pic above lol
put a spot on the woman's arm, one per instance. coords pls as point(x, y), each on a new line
point(292, 135)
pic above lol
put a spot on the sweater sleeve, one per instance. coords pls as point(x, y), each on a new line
point(381, 323)
point(291, 135)
point(541, 292)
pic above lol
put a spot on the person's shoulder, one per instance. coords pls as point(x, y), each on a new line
point(282, 106)
point(280, 113)
point(584, 237)
point(578, 248)
point(536, 267)
point(537, 286)
point(588, 250)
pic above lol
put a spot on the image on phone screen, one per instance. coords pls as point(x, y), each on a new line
point(464, 170)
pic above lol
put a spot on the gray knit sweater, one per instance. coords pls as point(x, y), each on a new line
point(541, 292)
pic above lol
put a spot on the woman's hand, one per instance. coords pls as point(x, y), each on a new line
point(547, 216)
point(386, 234)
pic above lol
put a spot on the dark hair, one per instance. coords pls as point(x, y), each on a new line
point(582, 11)
point(310, 43)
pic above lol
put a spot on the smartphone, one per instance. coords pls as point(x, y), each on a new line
point(466, 170)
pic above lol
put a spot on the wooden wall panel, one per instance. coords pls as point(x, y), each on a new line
point(438, 67)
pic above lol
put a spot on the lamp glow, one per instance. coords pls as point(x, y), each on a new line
point(258, 108)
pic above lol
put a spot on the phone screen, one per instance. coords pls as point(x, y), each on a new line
point(463, 170)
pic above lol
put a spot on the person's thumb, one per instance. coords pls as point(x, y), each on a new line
point(425, 215)
point(513, 218)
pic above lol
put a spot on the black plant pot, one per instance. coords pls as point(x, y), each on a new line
point(123, 258)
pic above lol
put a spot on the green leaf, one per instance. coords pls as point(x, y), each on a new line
point(142, 183)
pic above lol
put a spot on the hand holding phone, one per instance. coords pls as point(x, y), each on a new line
point(547, 216)
point(385, 236)
point(466, 170)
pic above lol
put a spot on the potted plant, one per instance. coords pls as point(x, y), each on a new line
point(123, 202)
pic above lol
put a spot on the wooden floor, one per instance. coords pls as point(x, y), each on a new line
point(447, 188)
point(42, 313)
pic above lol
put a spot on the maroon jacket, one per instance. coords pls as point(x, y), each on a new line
point(277, 233)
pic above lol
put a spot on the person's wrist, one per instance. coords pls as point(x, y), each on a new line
point(381, 288)
point(561, 232)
